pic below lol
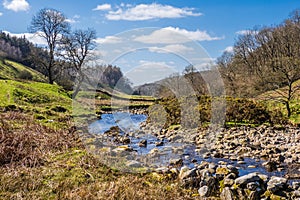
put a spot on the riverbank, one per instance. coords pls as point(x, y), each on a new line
point(276, 150)
point(266, 159)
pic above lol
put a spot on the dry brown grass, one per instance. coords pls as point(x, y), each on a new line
point(38, 162)
point(25, 142)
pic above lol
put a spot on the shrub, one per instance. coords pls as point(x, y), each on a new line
point(26, 75)
point(238, 110)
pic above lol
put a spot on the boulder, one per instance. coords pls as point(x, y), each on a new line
point(252, 186)
point(254, 195)
point(134, 164)
point(185, 172)
point(276, 184)
point(176, 162)
point(204, 191)
point(243, 180)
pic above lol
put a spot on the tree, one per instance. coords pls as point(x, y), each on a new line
point(194, 77)
point(78, 48)
point(112, 76)
point(271, 55)
point(51, 25)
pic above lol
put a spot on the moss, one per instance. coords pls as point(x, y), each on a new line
point(221, 185)
point(267, 193)
point(235, 186)
point(276, 197)
point(222, 170)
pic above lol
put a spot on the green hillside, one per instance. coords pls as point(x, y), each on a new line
point(24, 89)
point(42, 156)
point(275, 97)
point(44, 101)
point(13, 70)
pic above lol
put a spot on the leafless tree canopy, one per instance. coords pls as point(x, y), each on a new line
point(266, 59)
point(51, 25)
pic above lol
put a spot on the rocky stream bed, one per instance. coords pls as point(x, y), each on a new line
point(231, 163)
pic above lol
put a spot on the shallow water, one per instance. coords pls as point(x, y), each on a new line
point(130, 123)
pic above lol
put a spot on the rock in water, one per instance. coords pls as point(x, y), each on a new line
point(176, 162)
point(143, 143)
point(270, 166)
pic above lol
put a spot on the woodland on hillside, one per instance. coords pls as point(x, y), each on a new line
point(63, 60)
point(263, 59)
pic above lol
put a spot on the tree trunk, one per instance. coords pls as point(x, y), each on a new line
point(76, 91)
point(77, 88)
point(50, 78)
point(288, 109)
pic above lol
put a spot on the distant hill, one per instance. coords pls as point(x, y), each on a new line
point(164, 87)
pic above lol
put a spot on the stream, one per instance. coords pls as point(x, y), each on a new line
point(130, 123)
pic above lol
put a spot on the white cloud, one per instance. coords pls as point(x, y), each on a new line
point(32, 37)
point(228, 49)
point(149, 11)
point(246, 32)
point(103, 7)
point(74, 19)
point(173, 48)
point(171, 35)
point(109, 40)
point(16, 5)
point(1, 14)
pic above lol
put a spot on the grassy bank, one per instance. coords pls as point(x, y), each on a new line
point(38, 162)
point(42, 156)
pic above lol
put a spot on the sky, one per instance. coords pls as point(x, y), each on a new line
point(152, 39)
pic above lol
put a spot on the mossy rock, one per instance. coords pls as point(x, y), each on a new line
point(276, 197)
point(222, 171)
point(271, 196)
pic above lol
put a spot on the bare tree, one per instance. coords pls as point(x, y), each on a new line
point(272, 54)
point(78, 48)
point(51, 25)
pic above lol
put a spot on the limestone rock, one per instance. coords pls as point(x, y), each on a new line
point(243, 180)
point(276, 183)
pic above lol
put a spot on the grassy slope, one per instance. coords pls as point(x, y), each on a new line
point(12, 70)
point(47, 103)
point(273, 96)
point(42, 161)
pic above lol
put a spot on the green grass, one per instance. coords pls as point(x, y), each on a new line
point(29, 93)
point(273, 100)
point(45, 163)
point(12, 70)
point(48, 103)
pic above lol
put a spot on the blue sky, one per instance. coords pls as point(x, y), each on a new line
point(209, 26)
